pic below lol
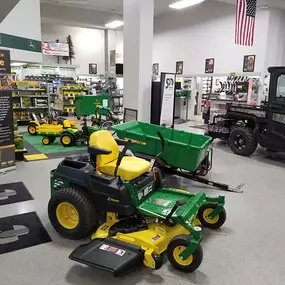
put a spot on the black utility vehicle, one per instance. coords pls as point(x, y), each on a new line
point(245, 126)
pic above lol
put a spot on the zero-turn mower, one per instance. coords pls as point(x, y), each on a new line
point(143, 218)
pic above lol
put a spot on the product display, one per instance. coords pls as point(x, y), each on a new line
point(143, 220)
point(246, 126)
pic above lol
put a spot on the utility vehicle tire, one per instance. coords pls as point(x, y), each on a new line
point(32, 129)
point(242, 141)
point(206, 221)
point(176, 246)
point(67, 139)
point(71, 213)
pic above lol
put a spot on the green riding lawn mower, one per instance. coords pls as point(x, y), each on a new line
point(123, 202)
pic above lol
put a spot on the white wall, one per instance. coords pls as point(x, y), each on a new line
point(206, 31)
point(24, 21)
point(275, 48)
point(88, 46)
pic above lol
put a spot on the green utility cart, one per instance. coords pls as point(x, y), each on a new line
point(186, 154)
point(86, 105)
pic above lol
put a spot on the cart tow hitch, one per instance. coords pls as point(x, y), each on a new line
point(221, 186)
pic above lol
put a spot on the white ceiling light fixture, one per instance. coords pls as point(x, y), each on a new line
point(114, 24)
point(184, 4)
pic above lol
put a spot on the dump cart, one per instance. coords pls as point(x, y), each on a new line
point(186, 154)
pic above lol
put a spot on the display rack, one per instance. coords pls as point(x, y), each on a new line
point(28, 97)
point(69, 93)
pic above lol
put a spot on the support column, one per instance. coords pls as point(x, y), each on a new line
point(107, 64)
point(138, 47)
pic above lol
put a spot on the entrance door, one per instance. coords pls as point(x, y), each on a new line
point(276, 113)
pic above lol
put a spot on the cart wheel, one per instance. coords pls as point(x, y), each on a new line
point(174, 249)
point(158, 261)
point(71, 213)
point(215, 223)
point(46, 141)
point(107, 125)
point(67, 139)
point(32, 129)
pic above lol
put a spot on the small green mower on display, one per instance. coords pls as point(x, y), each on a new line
point(143, 220)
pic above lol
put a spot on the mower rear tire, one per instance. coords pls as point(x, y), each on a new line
point(242, 141)
point(32, 129)
point(67, 139)
point(71, 213)
point(176, 247)
point(215, 223)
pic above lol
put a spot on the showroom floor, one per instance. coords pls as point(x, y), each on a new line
point(249, 249)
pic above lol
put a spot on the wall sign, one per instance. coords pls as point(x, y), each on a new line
point(210, 65)
point(92, 68)
point(168, 92)
point(248, 63)
point(7, 151)
point(155, 69)
point(179, 67)
point(15, 42)
point(59, 49)
point(130, 115)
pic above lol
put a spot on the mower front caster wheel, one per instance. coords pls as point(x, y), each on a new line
point(211, 223)
point(176, 247)
point(71, 213)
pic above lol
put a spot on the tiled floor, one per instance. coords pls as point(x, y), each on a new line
point(248, 250)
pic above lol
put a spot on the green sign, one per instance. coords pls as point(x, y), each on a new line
point(49, 67)
point(31, 66)
point(233, 74)
point(15, 42)
point(67, 68)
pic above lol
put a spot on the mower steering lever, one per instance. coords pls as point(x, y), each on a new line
point(178, 203)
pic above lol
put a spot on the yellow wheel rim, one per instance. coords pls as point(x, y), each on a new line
point(206, 217)
point(32, 130)
point(45, 141)
point(66, 140)
point(177, 251)
point(67, 215)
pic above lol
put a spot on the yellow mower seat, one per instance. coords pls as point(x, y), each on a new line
point(130, 167)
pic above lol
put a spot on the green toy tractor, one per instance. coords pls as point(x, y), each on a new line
point(73, 136)
point(143, 218)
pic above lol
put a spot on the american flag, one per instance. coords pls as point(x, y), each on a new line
point(245, 22)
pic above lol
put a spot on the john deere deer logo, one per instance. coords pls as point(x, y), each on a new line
point(32, 45)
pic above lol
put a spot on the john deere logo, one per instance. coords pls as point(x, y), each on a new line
point(32, 45)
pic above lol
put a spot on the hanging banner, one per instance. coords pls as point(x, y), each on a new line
point(7, 150)
point(168, 92)
point(58, 49)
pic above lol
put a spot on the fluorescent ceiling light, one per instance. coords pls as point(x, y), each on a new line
point(114, 25)
point(17, 63)
point(185, 3)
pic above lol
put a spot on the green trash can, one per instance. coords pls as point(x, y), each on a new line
point(182, 149)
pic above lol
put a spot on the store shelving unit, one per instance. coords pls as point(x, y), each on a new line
point(69, 93)
point(28, 97)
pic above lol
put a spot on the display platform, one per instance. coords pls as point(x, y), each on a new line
point(21, 231)
point(37, 151)
point(14, 193)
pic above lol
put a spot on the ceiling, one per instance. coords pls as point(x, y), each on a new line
point(6, 7)
point(111, 6)
point(161, 6)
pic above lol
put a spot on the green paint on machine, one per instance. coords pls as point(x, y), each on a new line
point(10, 41)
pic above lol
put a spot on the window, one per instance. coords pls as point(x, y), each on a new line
point(280, 92)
